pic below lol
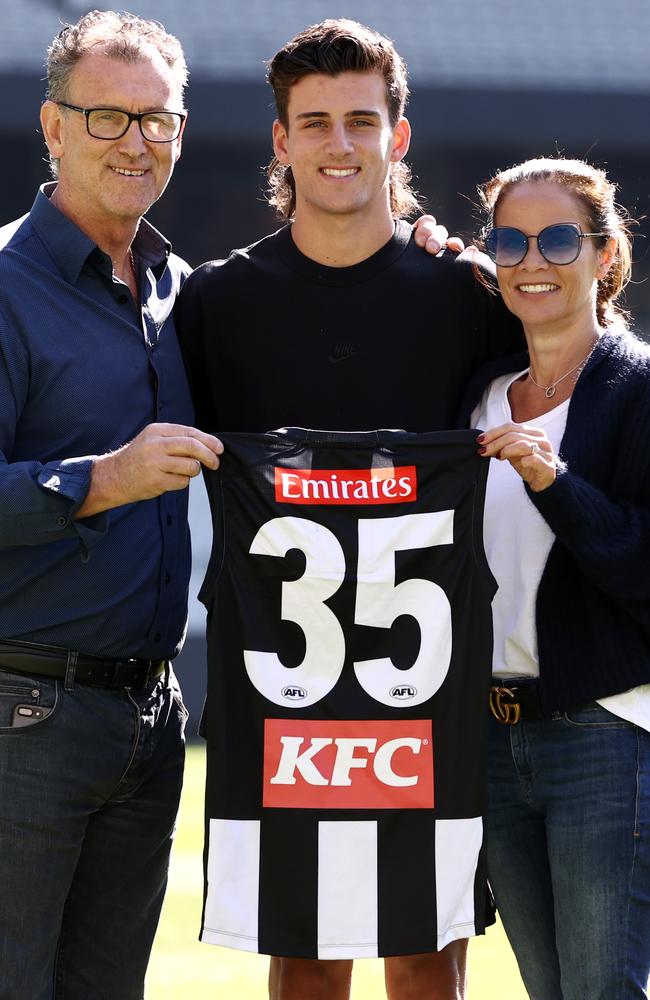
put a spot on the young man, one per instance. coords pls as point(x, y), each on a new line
point(338, 322)
point(93, 529)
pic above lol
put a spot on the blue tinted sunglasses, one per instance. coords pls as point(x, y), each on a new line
point(558, 244)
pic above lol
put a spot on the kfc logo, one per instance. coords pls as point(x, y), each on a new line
point(317, 764)
point(346, 486)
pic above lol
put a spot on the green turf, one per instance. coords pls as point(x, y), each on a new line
point(182, 968)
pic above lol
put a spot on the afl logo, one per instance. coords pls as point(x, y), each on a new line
point(294, 693)
point(403, 692)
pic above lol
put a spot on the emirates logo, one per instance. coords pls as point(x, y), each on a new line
point(346, 486)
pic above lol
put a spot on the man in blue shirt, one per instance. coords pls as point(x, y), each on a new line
point(97, 451)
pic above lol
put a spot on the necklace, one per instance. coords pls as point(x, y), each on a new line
point(549, 390)
point(131, 260)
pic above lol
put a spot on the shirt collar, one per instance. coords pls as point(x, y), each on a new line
point(70, 248)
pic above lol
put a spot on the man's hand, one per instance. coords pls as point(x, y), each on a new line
point(162, 457)
point(433, 237)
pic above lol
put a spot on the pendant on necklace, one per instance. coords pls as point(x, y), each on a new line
point(549, 392)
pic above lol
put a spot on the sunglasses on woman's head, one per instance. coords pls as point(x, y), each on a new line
point(558, 244)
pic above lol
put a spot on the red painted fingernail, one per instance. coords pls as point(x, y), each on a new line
point(482, 451)
point(481, 438)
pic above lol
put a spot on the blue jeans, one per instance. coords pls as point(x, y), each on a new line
point(569, 852)
point(88, 800)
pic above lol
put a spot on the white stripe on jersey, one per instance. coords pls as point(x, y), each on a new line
point(348, 882)
point(347, 889)
point(233, 884)
point(458, 842)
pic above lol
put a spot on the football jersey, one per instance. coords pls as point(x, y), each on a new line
point(349, 652)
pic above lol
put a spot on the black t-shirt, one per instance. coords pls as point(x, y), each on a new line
point(271, 338)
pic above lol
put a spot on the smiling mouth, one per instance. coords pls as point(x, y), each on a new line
point(340, 171)
point(128, 173)
point(537, 289)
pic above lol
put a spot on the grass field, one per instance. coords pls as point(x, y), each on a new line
point(183, 969)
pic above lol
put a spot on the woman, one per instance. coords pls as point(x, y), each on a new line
point(567, 527)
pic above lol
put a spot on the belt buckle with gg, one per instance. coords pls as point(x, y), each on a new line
point(506, 712)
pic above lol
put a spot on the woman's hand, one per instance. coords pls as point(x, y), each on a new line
point(528, 450)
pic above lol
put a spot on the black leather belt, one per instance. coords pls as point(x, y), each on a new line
point(518, 702)
point(35, 658)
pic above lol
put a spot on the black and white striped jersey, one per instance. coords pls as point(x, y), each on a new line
point(349, 644)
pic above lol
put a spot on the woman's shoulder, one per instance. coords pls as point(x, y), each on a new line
point(619, 376)
point(624, 351)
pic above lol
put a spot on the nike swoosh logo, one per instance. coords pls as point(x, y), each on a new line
point(341, 352)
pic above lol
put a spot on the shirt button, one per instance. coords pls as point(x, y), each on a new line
point(167, 578)
point(157, 637)
point(61, 521)
point(170, 519)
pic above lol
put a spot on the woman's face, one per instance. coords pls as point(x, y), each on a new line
point(541, 294)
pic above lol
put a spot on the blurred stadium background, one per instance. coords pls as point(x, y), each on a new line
point(493, 81)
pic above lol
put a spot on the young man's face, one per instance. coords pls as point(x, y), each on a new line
point(340, 144)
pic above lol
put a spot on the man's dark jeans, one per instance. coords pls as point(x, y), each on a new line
point(88, 800)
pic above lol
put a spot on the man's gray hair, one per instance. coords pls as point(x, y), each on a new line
point(118, 35)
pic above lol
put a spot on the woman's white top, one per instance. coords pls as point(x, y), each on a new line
point(517, 544)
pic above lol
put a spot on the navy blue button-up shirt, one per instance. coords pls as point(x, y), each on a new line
point(83, 369)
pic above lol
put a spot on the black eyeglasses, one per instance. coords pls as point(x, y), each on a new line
point(108, 123)
point(558, 244)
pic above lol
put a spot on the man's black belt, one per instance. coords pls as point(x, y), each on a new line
point(34, 658)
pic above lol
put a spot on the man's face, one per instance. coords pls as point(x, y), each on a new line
point(340, 144)
point(108, 181)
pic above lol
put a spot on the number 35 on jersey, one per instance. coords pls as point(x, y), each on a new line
point(343, 576)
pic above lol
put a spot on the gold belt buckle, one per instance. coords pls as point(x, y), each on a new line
point(506, 712)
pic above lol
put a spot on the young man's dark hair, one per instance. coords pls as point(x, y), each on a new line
point(334, 47)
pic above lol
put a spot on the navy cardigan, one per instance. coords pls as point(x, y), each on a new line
point(593, 601)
